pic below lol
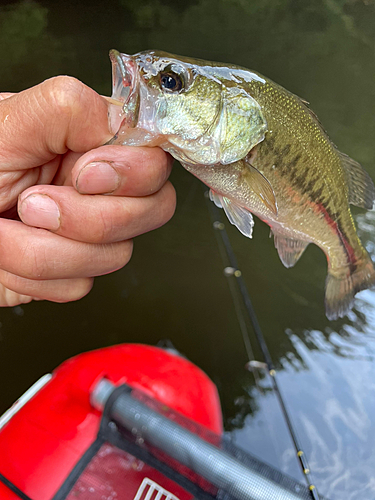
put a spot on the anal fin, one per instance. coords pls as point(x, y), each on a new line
point(216, 198)
point(289, 249)
point(238, 216)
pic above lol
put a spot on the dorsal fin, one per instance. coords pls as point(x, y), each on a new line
point(289, 249)
point(361, 187)
point(238, 216)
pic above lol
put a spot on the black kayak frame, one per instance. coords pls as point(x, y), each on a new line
point(235, 474)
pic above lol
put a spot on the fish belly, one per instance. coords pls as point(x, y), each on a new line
point(294, 219)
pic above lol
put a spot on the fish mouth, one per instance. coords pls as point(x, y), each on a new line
point(124, 107)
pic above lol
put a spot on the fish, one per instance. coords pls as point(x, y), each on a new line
point(259, 148)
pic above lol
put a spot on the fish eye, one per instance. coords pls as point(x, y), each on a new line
point(172, 82)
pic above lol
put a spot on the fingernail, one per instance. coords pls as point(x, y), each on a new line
point(40, 210)
point(98, 177)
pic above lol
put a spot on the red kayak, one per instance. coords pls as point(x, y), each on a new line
point(129, 422)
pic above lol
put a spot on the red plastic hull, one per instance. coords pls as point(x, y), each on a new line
point(45, 439)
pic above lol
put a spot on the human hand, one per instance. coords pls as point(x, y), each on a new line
point(53, 164)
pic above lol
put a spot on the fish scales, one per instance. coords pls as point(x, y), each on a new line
point(298, 170)
point(259, 148)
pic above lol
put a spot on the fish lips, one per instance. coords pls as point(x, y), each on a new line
point(125, 92)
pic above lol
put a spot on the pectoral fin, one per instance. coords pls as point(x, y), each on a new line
point(261, 187)
point(289, 249)
point(361, 187)
point(238, 216)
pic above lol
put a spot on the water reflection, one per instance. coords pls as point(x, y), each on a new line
point(174, 287)
point(337, 426)
point(330, 398)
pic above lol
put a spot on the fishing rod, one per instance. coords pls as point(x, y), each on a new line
point(228, 254)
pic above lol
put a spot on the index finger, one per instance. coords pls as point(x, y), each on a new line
point(49, 119)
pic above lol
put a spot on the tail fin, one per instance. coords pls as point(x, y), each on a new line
point(340, 292)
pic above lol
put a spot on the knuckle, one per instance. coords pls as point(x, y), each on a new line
point(26, 270)
point(75, 290)
point(108, 226)
point(164, 170)
point(36, 262)
point(121, 254)
point(110, 257)
point(64, 92)
point(168, 162)
point(160, 166)
point(152, 168)
point(168, 206)
point(100, 229)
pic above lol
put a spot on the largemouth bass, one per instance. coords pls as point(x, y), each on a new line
point(259, 148)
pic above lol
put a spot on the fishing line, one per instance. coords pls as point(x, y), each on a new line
point(228, 255)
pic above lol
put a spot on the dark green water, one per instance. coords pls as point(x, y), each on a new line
point(174, 287)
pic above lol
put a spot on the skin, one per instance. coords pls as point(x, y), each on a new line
point(69, 207)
